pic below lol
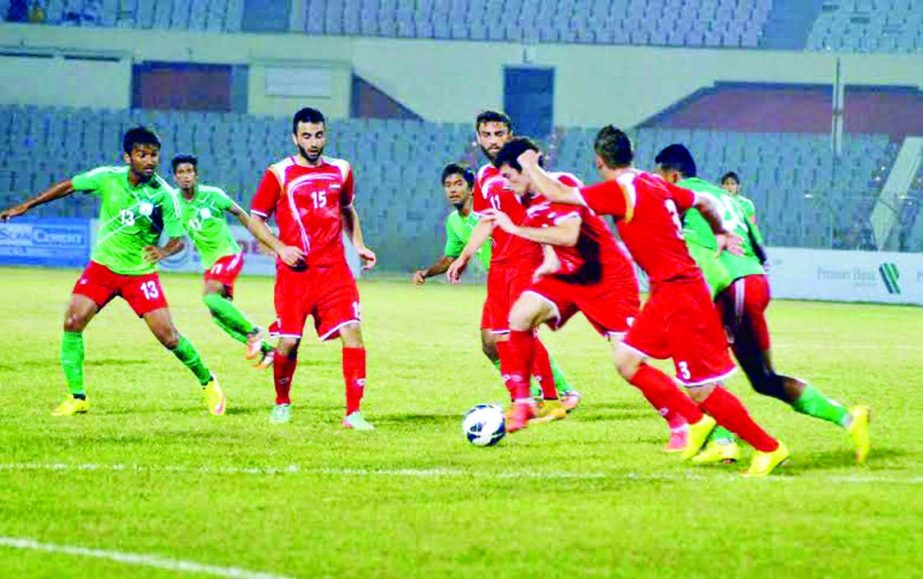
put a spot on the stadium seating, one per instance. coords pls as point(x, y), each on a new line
point(868, 26)
point(210, 15)
point(803, 198)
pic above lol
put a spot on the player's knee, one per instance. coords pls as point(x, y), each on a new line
point(351, 336)
point(626, 362)
point(489, 346)
point(287, 347)
point(700, 393)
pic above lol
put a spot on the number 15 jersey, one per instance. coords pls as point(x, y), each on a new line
point(308, 204)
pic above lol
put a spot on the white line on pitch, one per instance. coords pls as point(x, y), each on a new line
point(294, 469)
point(137, 559)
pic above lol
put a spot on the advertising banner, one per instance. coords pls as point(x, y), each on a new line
point(58, 242)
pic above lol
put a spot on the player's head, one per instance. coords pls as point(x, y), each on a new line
point(507, 160)
point(309, 133)
point(613, 149)
point(141, 150)
point(185, 171)
point(675, 163)
point(457, 182)
point(730, 182)
point(493, 129)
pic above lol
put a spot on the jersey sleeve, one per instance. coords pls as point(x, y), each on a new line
point(267, 195)
point(222, 200)
point(606, 198)
point(683, 198)
point(560, 212)
point(91, 181)
point(172, 215)
point(454, 244)
point(479, 203)
point(348, 192)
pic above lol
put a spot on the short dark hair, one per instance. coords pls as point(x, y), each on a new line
point(730, 175)
point(183, 159)
point(139, 136)
point(307, 115)
point(676, 157)
point(510, 152)
point(614, 147)
point(493, 117)
point(456, 169)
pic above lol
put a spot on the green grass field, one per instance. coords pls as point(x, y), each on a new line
point(148, 476)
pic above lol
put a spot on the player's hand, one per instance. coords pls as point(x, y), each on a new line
point(548, 267)
point(529, 158)
point(153, 254)
point(290, 256)
point(12, 212)
point(730, 242)
point(500, 219)
point(419, 277)
point(456, 270)
point(368, 257)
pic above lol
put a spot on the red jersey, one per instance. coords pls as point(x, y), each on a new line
point(307, 203)
point(491, 190)
point(648, 210)
point(596, 251)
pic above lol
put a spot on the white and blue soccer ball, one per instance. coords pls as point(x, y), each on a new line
point(485, 425)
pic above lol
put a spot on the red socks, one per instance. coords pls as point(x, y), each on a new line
point(730, 413)
point(664, 395)
point(515, 361)
point(541, 368)
point(354, 377)
point(283, 368)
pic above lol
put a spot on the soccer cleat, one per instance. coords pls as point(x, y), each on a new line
point(763, 463)
point(519, 415)
point(71, 406)
point(255, 343)
point(549, 411)
point(859, 431)
point(697, 436)
point(266, 361)
point(281, 414)
point(356, 421)
point(677, 442)
point(570, 400)
point(214, 397)
point(725, 452)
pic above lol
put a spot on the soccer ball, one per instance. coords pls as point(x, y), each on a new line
point(484, 425)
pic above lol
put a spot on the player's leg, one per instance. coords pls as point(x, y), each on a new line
point(218, 295)
point(293, 298)
point(283, 370)
point(518, 282)
point(80, 311)
point(354, 375)
point(519, 359)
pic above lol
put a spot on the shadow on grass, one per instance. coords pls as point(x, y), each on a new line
point(837, 459)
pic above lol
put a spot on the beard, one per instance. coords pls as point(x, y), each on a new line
point(310, 158)
point(490, 157)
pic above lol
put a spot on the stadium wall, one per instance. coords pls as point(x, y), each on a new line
point(462, 78)
point(52, 80)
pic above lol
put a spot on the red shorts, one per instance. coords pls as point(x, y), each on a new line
point(225, 271)
point(680, 321)
point(610, 305)
point(328, 294)
point(743, 308)
point(142, 292)
point(505, 283)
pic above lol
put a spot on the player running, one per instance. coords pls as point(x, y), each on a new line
point(511, 265)
point(311, 197)
point(741, 287)
point(136, 206)
point(202, 210)
point(678, 321)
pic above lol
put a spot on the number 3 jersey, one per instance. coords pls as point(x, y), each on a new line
point(130, 217)
point(307, 203)
point(647, 211)
point(205, 222)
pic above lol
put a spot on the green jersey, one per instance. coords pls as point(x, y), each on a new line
point(206, 225)
point(721, 271)
point(130, 217)
point(457, 233)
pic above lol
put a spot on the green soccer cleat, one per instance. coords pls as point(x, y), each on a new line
point(281, 414)
point(355, 421)
point(718, 451)
point(859, 431)
point(71, 406)
point(214, 398)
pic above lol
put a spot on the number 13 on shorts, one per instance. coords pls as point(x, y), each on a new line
point(150, 289)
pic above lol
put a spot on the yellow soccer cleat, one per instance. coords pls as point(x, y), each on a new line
point(764, 463)
point(214, 397)
point(859, 431)
point(715, 452)
point(71, 406)
point(549, 411)
point(697, 436)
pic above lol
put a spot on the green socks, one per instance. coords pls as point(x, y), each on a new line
point(72, 362)
point(560, 381)
point(226, 312)
point(722, 435)
point(813, 403)
point(186, 353)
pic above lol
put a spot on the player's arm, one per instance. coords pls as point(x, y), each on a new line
point(710, 211)
point(479, 236)
point(354, 231)
point(564, 232)
point(56, 191)
point(154, 253)
point(441, 266)
point(550, 263)
point(545, 184)
point(289, 255)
